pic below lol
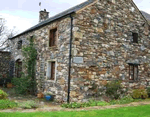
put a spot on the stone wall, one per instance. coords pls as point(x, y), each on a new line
point(4, 64)
point(102, 47)
point(103, 44)
point(59, 53)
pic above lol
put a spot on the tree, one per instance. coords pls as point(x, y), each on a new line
point(5, 34)
point(2, 27)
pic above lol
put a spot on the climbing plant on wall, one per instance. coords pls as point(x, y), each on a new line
point(30, 54)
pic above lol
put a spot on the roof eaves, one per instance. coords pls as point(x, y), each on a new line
point(140, 12)
point(56, 17)
point(39, 25)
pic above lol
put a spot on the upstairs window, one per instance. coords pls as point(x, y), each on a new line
point(53, 37)
point(20, 44)
point(133, 72)
point(135, 37)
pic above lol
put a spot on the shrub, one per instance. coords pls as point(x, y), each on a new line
point(114, 89)
point(3, 95)
point(139, 94)
point(72, 105)
point(4, 104)
point(86, 104)
point(148, 91)
point(28, 105)
point(126, 99)
point(21, 85)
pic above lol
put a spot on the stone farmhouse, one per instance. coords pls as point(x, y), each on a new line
point(90, 44)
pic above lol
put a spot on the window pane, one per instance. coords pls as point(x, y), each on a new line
point(52, 70)
point(135, 37)
point(131, 72)
point(136, 72)
point(53, 37)
point(48, 71)
point(19, 44)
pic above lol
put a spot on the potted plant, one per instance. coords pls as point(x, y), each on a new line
point(9, 85)
point(49, 97)
point(40, 95)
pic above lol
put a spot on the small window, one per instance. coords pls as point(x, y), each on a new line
point(18, 68)
point(135, 37)
point(20, 44)
point(51, 70)
point(53, 37)
point(133, 72)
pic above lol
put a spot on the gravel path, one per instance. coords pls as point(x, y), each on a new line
point(58, 108)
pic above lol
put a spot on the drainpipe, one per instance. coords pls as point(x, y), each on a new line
point(71, 34)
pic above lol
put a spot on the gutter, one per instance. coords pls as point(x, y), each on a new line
point(70, 55)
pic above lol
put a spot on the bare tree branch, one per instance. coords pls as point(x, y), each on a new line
point(5, 34)
point(3, 43)
point(2, 26)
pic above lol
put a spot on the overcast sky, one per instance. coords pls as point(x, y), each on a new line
point(25, 13)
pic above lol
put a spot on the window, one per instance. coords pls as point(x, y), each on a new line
point(53, 37)
point(18, 68)
point(51, 70)
point(20, 44)
point(135, 37)
point(133, 72)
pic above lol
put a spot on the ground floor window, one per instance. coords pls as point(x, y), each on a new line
point(133, 72)
point(18, 68)
point(51, 70)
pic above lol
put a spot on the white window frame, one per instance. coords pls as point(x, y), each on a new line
point(48, 77)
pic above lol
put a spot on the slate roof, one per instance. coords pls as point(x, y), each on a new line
point(63, 14)
point(60, 15)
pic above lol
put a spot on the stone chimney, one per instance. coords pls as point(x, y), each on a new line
point(43, 15)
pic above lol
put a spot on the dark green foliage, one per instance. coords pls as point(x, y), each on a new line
point(22, 85)
point(30, 54)
point(3, 95)
point(114, 89)
point(148, 91)
point(4, 104)
point(27, 83)
point(139, 94)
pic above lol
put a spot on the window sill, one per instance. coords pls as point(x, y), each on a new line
point(133, 81)
point(51, 81)
point(136, 44)
point(53, 47)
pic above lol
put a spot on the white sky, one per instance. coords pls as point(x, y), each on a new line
point(25, 13)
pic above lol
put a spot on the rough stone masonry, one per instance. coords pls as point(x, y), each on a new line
point(102, 49)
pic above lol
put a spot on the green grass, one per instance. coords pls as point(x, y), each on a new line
point(139, 111)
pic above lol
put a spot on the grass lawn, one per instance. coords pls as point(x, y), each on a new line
point(139, 111)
